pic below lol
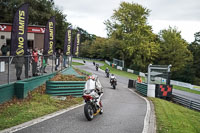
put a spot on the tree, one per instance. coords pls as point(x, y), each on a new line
point(129, 25)
point(194, 47)
point(174, 51)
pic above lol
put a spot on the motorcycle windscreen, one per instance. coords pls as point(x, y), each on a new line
point(90, 85)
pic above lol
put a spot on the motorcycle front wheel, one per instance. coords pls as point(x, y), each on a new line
point(114, 87)
point(88, 110)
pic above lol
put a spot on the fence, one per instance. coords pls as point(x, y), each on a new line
point(186, 102)
point(65, 88)
point(14, 68)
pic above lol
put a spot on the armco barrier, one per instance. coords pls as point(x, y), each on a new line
point(6, 92)
point(141, 88)
point(65, 88)
point(186, 102)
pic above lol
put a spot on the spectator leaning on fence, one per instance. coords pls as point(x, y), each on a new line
point(139, 79)
point(34, 61)
point(19, 61)
point(4, 49)
point(57, 61)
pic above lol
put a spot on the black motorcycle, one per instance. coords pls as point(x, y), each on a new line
point(97, 67)
point(113, 82)
point(107, 74)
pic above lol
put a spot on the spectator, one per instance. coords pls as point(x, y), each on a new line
point(57, 61)
point(64, 60)
point(139, 79)
point(34, 61)
point(45, 62)
point(4, 49)
point(27, 62)
point(19, 61)
point(39, 64)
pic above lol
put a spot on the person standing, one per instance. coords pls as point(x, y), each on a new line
point(4, 49)
point(34, 61)
point(57, 61)
point(19, 61)
point(27, 62)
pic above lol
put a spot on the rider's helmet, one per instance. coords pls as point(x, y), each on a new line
point(112, 74)
point(91, 77)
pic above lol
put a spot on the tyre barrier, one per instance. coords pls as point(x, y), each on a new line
point(141, 88)
point(65, 88)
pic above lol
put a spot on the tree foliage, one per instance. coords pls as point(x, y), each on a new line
point(131, 38)
point(194, 47)
point(129, 25)
point(173, 49)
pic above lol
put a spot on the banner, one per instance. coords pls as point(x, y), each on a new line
point(49, 37)
point(77, 43)
point(68, 42)
point(19, 32)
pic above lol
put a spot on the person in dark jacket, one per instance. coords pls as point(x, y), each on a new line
point(4, 49)
point(57, 61)
point(34, 61)
point(19, 61)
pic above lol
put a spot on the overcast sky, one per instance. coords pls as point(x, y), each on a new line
point(90, 14)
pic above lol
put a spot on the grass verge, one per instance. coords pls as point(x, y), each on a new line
point(186, 89)
point(119, 72)
point(77, 63)
point(173, 118)
point(84, 72)
point(36, 105)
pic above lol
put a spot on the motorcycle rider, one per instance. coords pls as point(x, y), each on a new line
point(94, 83)
point(97, 67)
point(113, 77)
point(107, 70)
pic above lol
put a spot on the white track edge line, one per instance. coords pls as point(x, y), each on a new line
point(147, 116)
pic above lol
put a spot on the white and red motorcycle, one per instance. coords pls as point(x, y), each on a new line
point(92, 96)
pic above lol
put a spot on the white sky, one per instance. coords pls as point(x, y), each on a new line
point(90, 14)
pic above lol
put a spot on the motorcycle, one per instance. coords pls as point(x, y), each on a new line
point(97, 67)
point(107, 74)
point(92, 99)
point(113, 82)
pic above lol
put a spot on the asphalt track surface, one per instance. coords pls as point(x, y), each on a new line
point(124, 112)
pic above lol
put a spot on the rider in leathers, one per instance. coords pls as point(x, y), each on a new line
point(98, 87)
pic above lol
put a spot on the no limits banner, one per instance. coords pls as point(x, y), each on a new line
point(77, 43)
point(49, 37)
point(68, 42)
point(19, 32)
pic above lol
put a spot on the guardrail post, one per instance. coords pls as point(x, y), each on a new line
point(190, 104)
point(9, 70)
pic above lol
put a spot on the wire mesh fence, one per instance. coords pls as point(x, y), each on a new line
point(13, 68)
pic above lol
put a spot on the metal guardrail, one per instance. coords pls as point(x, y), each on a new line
point(65, 88)
point(13, 68)
point(186, 102)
